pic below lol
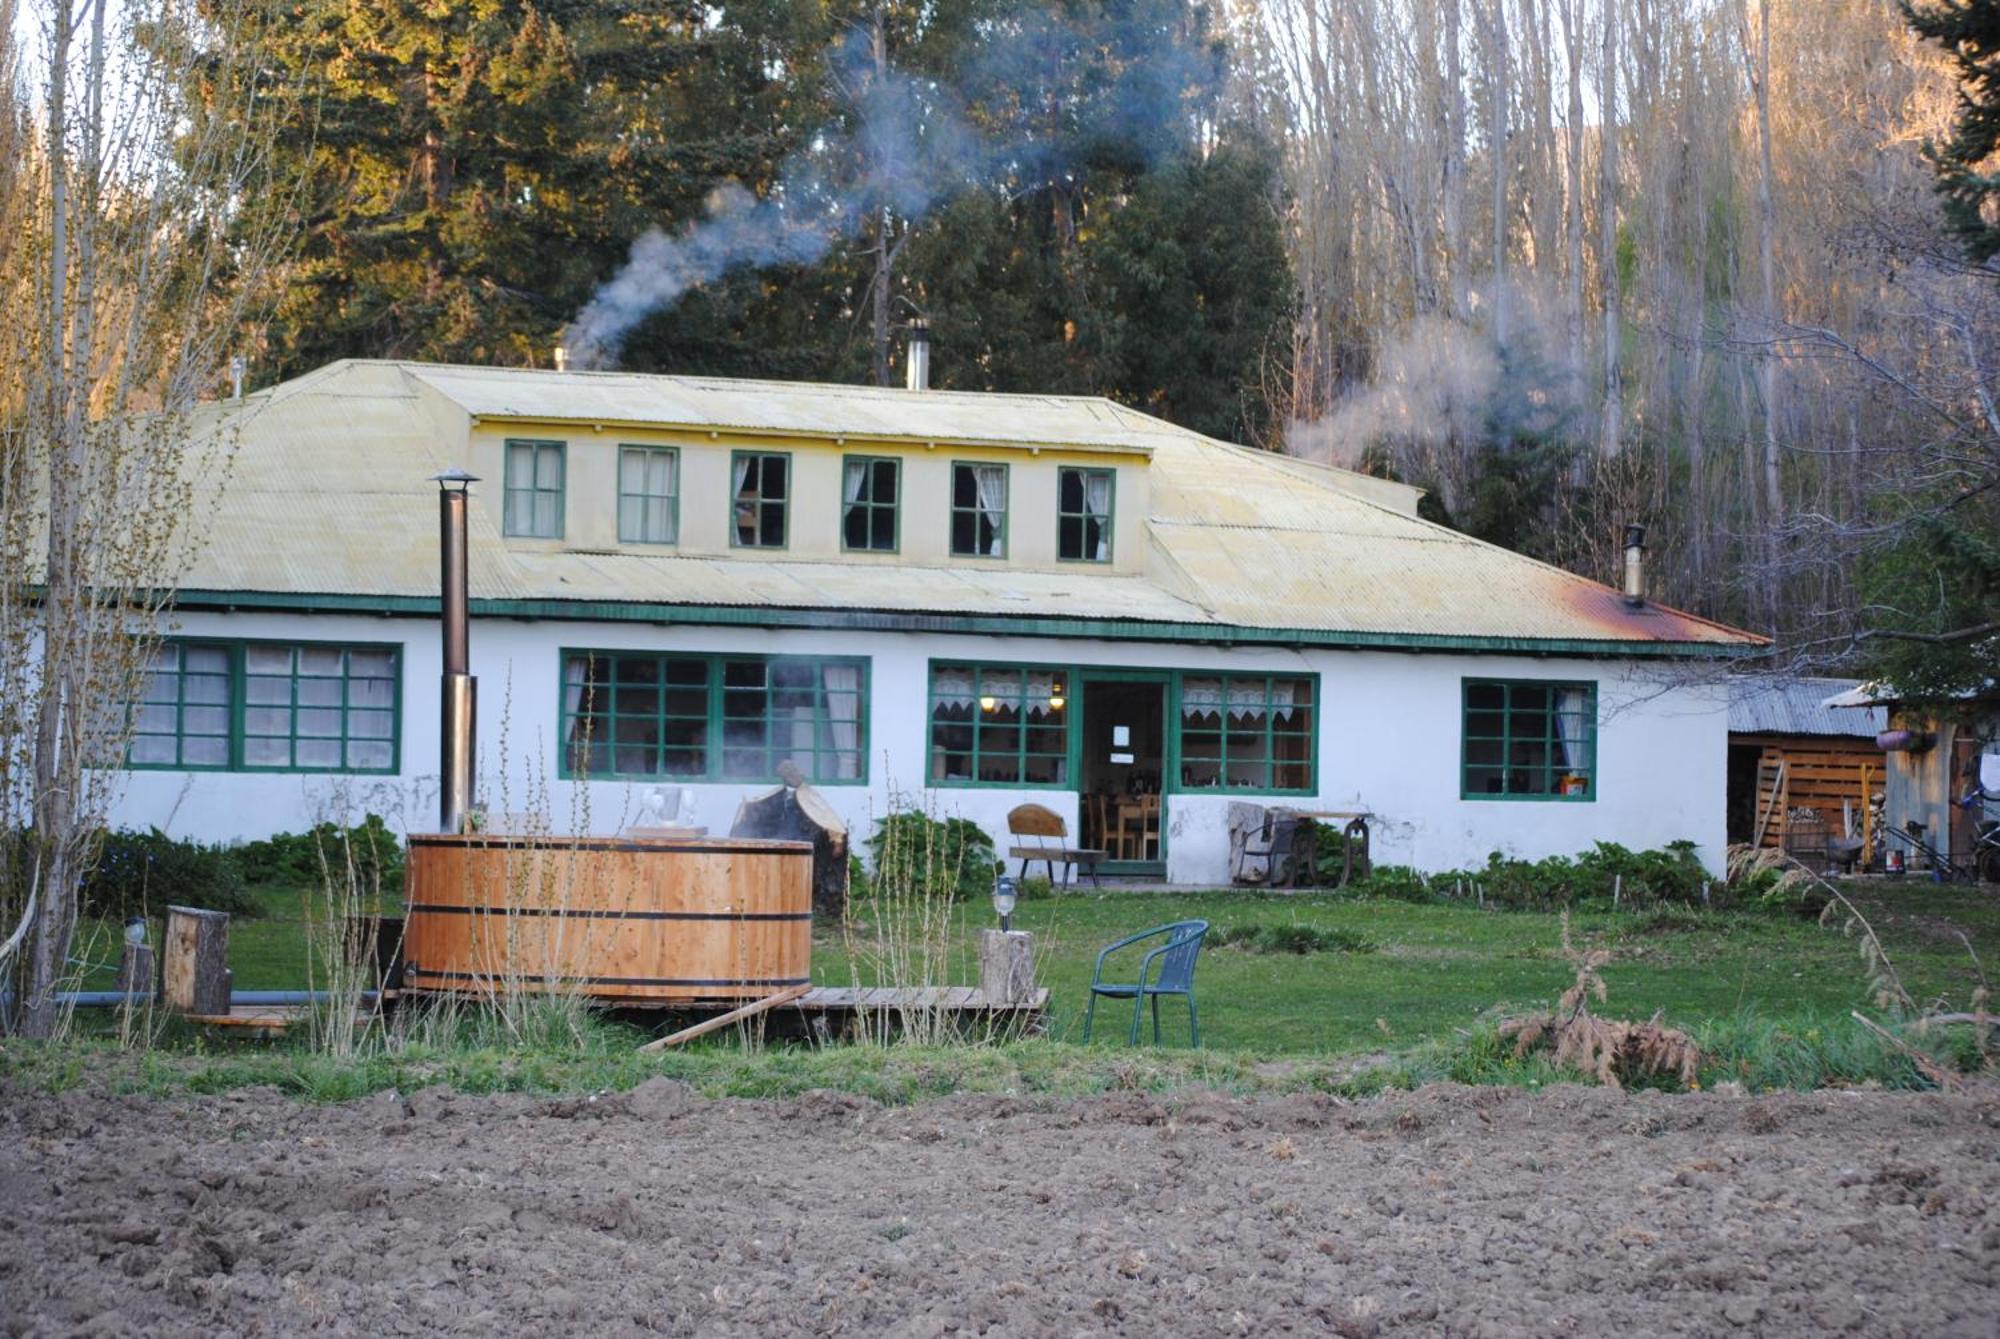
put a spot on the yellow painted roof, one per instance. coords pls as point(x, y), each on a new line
point(330, 495)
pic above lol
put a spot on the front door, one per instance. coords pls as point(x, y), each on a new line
point(1123, 772)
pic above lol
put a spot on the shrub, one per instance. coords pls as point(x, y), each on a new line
point(147, 871)
point(1607, 872)
point(1299, 939)
point(952, 856)
point(1398, 883)
point(293, 859)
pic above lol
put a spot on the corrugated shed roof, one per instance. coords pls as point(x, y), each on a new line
point(1799, 707)
point(330, 495)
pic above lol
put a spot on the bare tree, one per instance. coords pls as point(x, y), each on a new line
point(123, 194)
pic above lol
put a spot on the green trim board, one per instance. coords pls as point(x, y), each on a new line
point(311, 707)
point(880, 518)
point(754, 506)
point(709, 716)
point(1068, 679)
point(974, 513)
point(533, 507)
point(1076, 521)
point(1518, 739)
point(1001, 625)
point(650, 513)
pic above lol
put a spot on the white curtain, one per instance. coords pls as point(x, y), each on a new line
point(951, 685)
point(574, 674)
point(992, 482)
point(1097, 501)
point(1245, 697)
point(1571, 726)
point(746, 509)
point(851, 480)
point(843, 709)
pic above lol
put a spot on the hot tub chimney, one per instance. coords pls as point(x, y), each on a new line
point(1635, 565)
point(458, 714)
point(562, 358)
point(918, 373)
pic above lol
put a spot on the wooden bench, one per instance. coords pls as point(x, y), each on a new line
point(1049, 844)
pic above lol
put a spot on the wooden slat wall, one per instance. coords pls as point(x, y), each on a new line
point(1819, 778)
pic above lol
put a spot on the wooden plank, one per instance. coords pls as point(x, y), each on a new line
point(785, 996)
point(1772, 802)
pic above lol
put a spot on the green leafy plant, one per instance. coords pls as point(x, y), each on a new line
point(136, 872)
point(1299, 939)
point(301, 859)
point(952, 854)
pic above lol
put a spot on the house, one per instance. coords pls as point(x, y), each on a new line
point(1799, 770)
point(963, 601)
point(1932, 760)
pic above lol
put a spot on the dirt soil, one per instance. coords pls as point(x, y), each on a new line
point(1451, 1211)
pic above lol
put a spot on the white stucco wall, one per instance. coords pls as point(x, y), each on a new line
point(1388, 743)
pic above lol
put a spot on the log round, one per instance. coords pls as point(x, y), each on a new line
point(628, 920)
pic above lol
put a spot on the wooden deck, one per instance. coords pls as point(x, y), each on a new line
point(913, 999)
point(265, 1017)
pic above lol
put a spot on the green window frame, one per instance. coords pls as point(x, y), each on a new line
point(532, 489)
point(704, 717)
point(760, 498)
point(871, 492)
point(184, 719)
point(1000, 725)
point(978, 530)
point(649, 495)
point(1528, 739)
point(1086, 502)
point(262, 706)
point(1247, 732)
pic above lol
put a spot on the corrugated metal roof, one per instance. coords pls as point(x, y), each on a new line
point(330, 495)
point(1800, 707)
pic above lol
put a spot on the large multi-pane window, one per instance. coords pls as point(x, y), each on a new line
point(761, 495)
point(978, 510)
point(999, 724)
point(532, 491)
point(870, 488)
point(1529, 739)
point(645, 715)
point(649, 488)
point(1252, 732)
point(269, 706)
point(1083, 515)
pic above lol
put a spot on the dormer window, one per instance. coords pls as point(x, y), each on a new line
point(532, 498)
point(870, 487)
point(978, 510)
point(1083, 515)
point(648, 494)
point(762, 491)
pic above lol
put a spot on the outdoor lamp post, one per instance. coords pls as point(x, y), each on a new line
point(1005, 894)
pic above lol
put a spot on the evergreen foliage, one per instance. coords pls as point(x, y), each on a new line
point(1968, 179)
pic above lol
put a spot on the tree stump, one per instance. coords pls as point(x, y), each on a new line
point(797, 812)
point(138, 970)
point(1006, 966)
point(194, 976)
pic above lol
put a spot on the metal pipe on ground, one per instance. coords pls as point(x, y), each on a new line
point(113, 999)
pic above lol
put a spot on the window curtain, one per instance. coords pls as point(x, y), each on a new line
point(1245, 697)
point(1570, 727)
point(574, 676)
point(951, 685)
point(842, 685)
point(746, 509)
point(520, 501)
point(1097, 501)
point(992, 483)
point(852, 477)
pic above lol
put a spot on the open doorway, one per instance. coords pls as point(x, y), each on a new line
point(1123, 771)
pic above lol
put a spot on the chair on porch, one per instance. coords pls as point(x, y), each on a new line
point(1041, 836)
point(1176, 958)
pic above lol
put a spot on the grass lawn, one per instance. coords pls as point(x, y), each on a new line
point(1435, 969)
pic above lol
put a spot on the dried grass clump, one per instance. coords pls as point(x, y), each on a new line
point(1743, 864)
point(1614, 1051)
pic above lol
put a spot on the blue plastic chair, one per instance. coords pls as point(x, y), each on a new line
point(1176, 959)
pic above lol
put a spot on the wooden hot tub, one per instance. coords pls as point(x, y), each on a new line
point(635, 920)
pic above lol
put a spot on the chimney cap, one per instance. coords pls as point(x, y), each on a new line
point(454, 475)
point(1635, 536)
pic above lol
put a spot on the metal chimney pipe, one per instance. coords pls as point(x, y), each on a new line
point(458, 715)
point(562, 359)
point(238, 365)
point(918, 373)
point(1635, 565)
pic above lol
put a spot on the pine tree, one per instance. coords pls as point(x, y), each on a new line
point(1970, 31)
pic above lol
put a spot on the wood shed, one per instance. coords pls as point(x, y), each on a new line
point(1803, 776)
